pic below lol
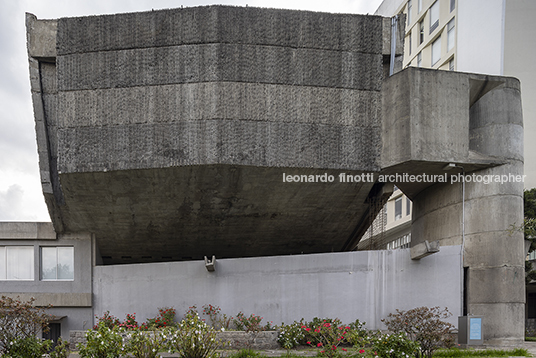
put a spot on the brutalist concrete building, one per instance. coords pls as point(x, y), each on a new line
point(168, 136)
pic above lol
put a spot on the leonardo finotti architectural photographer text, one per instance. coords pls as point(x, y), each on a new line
point(403, 178)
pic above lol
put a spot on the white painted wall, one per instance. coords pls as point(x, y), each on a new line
point(480, 36)
point(367, 285)
point(519, 59)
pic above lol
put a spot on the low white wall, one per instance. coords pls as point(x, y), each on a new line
point(367, 285)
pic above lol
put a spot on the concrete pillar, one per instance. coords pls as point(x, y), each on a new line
point(493, 252)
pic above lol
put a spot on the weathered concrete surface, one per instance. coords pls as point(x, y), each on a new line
point(182, 123)
point(167, 133)
point(364, 285)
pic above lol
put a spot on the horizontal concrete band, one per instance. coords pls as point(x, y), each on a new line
point(54, 299)
point(219, 62)
point(255, 143)
point(226, 100)
point(27, 230)
point(302, 29)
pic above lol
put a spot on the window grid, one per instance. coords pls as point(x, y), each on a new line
point(434, 16)
point(436, 51)
point(409, 12)
point(57, 263)
point(17, 263)
point(450, 35)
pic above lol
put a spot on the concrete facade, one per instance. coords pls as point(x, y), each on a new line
point(72, 300)
point(167, 134)
point(364, 285)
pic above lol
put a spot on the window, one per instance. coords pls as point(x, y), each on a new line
point(398, 208)
point(450, 35)
point(408, 206)
point(409, 43)
point(57, 263)
point(419, 6)
point(452, 5)
point(403, 242)
point(434, 16)
point(16, 263)
point(436, 51)
point(421, 32)
point(451, 65)
point(419, 59)
point(409, 12)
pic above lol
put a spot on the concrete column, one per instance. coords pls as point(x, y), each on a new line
point(493, 252)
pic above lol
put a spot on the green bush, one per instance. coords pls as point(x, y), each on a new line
point(193, 338)
point(61, 350)
point(104, 342)
point(394, 346)
point(29, 347)
point(143, 344)
point(424, 325)
point(329, 334)
point(291, 335)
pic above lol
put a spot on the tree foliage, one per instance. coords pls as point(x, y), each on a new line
point(20, 320)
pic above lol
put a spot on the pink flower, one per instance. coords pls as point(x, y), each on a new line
point(308, 329)
point(319, 345)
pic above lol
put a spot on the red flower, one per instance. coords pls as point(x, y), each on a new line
point(308, 329)
point(319, 345)
point(344, 349)
point(309, 342)
point(361, 351)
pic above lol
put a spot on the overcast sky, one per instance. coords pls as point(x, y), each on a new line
point(21, 198)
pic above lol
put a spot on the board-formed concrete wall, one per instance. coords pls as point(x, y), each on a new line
point(364, 285)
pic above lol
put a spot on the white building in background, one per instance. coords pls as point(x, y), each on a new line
point(493, 37)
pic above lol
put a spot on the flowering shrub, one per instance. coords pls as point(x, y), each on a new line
point(20, 320)
point(249, 324)
point(144, 344)
point(165, 318)
point(193, 338)
point(130, 322)
point(217, 319)
point(358, 336)
point(61, 350)
point(395, 346)
point(103, 342)
point(423, 325)
point(291, 335)
point(328, 335)
point(28, 347)
point(107, 320)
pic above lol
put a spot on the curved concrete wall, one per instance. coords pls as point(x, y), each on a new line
point(493, 254)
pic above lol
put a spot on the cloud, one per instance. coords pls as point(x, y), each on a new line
point(11, 202)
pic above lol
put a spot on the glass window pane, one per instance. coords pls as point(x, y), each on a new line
point(65, 263)
point(2, 263)
point(450, 35)
point(48, 263)
point(20, 263)
point(434, 16)
point(398, 208)
point(436, 51)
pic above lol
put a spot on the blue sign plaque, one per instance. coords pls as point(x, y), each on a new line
point(475, 328)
